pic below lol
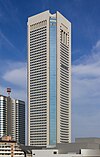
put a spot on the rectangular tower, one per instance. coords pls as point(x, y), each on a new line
point(12, 118)
point(49, 79)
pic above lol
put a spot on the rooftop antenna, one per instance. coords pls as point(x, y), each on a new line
point(8, 91)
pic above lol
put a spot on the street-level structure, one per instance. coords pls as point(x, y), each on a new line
point(83, 147)
point(49, 79)
point(10, 148)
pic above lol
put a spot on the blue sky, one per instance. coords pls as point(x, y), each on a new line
point(85, 18)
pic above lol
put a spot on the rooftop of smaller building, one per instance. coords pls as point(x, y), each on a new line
point(7, 138)
point(88, 140)
point(75, 147)
point(28, 149)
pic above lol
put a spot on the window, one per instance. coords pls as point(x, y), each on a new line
point(66, 38)
point(54, 152)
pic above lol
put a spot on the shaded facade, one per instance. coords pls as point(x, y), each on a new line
point(49, 79)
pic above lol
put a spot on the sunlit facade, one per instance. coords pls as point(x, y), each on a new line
point(9, 148)
point(49, 79)
point(3, 116)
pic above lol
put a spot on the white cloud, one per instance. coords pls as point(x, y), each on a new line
point(86, 94)
point(96, 48)
point(4, 38)
point(87, 70)
point(16, 76)
point(5, 42)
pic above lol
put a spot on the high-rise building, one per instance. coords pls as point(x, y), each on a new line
point(49, 79)
point(12, 118)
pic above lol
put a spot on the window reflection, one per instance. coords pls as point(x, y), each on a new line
point(52, 81)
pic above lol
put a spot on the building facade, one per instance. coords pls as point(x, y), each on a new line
point(49, 79)
point(9, 148)
point(12, 118)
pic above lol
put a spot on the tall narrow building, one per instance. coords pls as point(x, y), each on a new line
point(49, 79)
point(12, 118)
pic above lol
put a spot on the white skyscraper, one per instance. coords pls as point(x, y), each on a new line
point(49, 79)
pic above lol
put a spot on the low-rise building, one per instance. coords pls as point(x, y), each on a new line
point(9, 148)
point(83, 147)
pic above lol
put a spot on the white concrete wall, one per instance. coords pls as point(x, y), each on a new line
point(50, 153)
point(90, 152)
